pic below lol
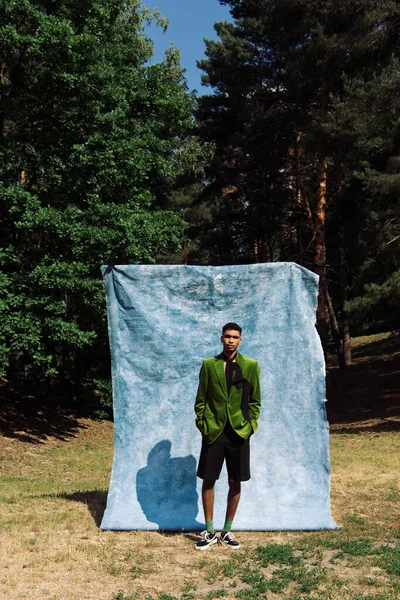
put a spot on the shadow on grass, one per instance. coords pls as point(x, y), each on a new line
point(169, 533)
point(31, 419)
point(95, 501)
point(366, 395)
point(381, 348)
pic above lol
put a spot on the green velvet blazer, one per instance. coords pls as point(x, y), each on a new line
point(214, 405)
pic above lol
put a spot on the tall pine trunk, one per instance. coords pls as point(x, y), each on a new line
point(343, 286)
point(299, 226)
point(334, 327)
point(320, 249)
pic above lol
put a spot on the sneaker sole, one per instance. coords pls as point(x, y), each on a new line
point(225, 545)
point(208, 545)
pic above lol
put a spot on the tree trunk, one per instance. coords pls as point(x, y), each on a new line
point(2, 114)
point(320, 250)
point(299, 202)
point(343, 286)
point(261, 249)
point(334, 328)
point(346, 340)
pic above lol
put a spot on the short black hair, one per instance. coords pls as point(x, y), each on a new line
point(233, 326)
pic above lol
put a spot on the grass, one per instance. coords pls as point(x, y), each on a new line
point(280, 554)
point(53, 492)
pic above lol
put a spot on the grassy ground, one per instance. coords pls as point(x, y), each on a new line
point(54, 476)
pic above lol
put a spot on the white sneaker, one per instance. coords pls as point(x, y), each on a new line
point(228, 539)
point(207, 540)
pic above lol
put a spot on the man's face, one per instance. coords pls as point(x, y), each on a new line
point(230, 340)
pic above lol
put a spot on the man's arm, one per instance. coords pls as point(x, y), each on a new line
point(200, 403)
point(255, 397)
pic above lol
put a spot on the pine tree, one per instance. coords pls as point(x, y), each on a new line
point(283, 117)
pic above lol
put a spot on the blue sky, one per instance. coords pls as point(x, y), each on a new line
point(190, 21)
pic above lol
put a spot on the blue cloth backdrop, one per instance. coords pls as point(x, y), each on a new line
point(163, 320)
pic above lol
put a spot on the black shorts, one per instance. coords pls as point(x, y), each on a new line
point(230, 446)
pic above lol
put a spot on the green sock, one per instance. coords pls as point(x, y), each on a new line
point(227, 526)
point(210, 526)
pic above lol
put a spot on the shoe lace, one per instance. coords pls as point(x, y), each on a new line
point(229, 536)
point(206, 535)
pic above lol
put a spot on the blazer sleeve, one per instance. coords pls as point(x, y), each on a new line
point(255, 397)
point(201, 396)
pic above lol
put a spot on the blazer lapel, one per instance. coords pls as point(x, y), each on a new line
point(240, 360)
point(219, 369)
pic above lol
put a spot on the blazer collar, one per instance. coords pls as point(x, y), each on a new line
point(240, 359)
point(219, 368)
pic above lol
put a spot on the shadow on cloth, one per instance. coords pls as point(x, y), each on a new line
point(166, 489)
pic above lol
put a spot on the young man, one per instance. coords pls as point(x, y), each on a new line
point(227, 407)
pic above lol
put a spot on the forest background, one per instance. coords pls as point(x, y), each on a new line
point(293, 155)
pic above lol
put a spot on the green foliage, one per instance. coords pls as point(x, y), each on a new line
point(120, 595)
point(389, 559)
point(219, 593)
point(98, 395)
point(377, 309)
point(307, 580)
point(280, 554)
point(358, 547)
point(93, 142)
point(137, 571)
point(188, 586)
point(230, 567)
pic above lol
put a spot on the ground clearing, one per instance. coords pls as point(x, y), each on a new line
point(55, 473)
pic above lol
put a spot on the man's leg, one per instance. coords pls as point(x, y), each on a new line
point(237, 454)
point(232, 503)
point(227, 538)
point(208, 536)
point(209, 469)
point(208, 503)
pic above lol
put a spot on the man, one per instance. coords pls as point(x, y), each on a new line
point(227, 407)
